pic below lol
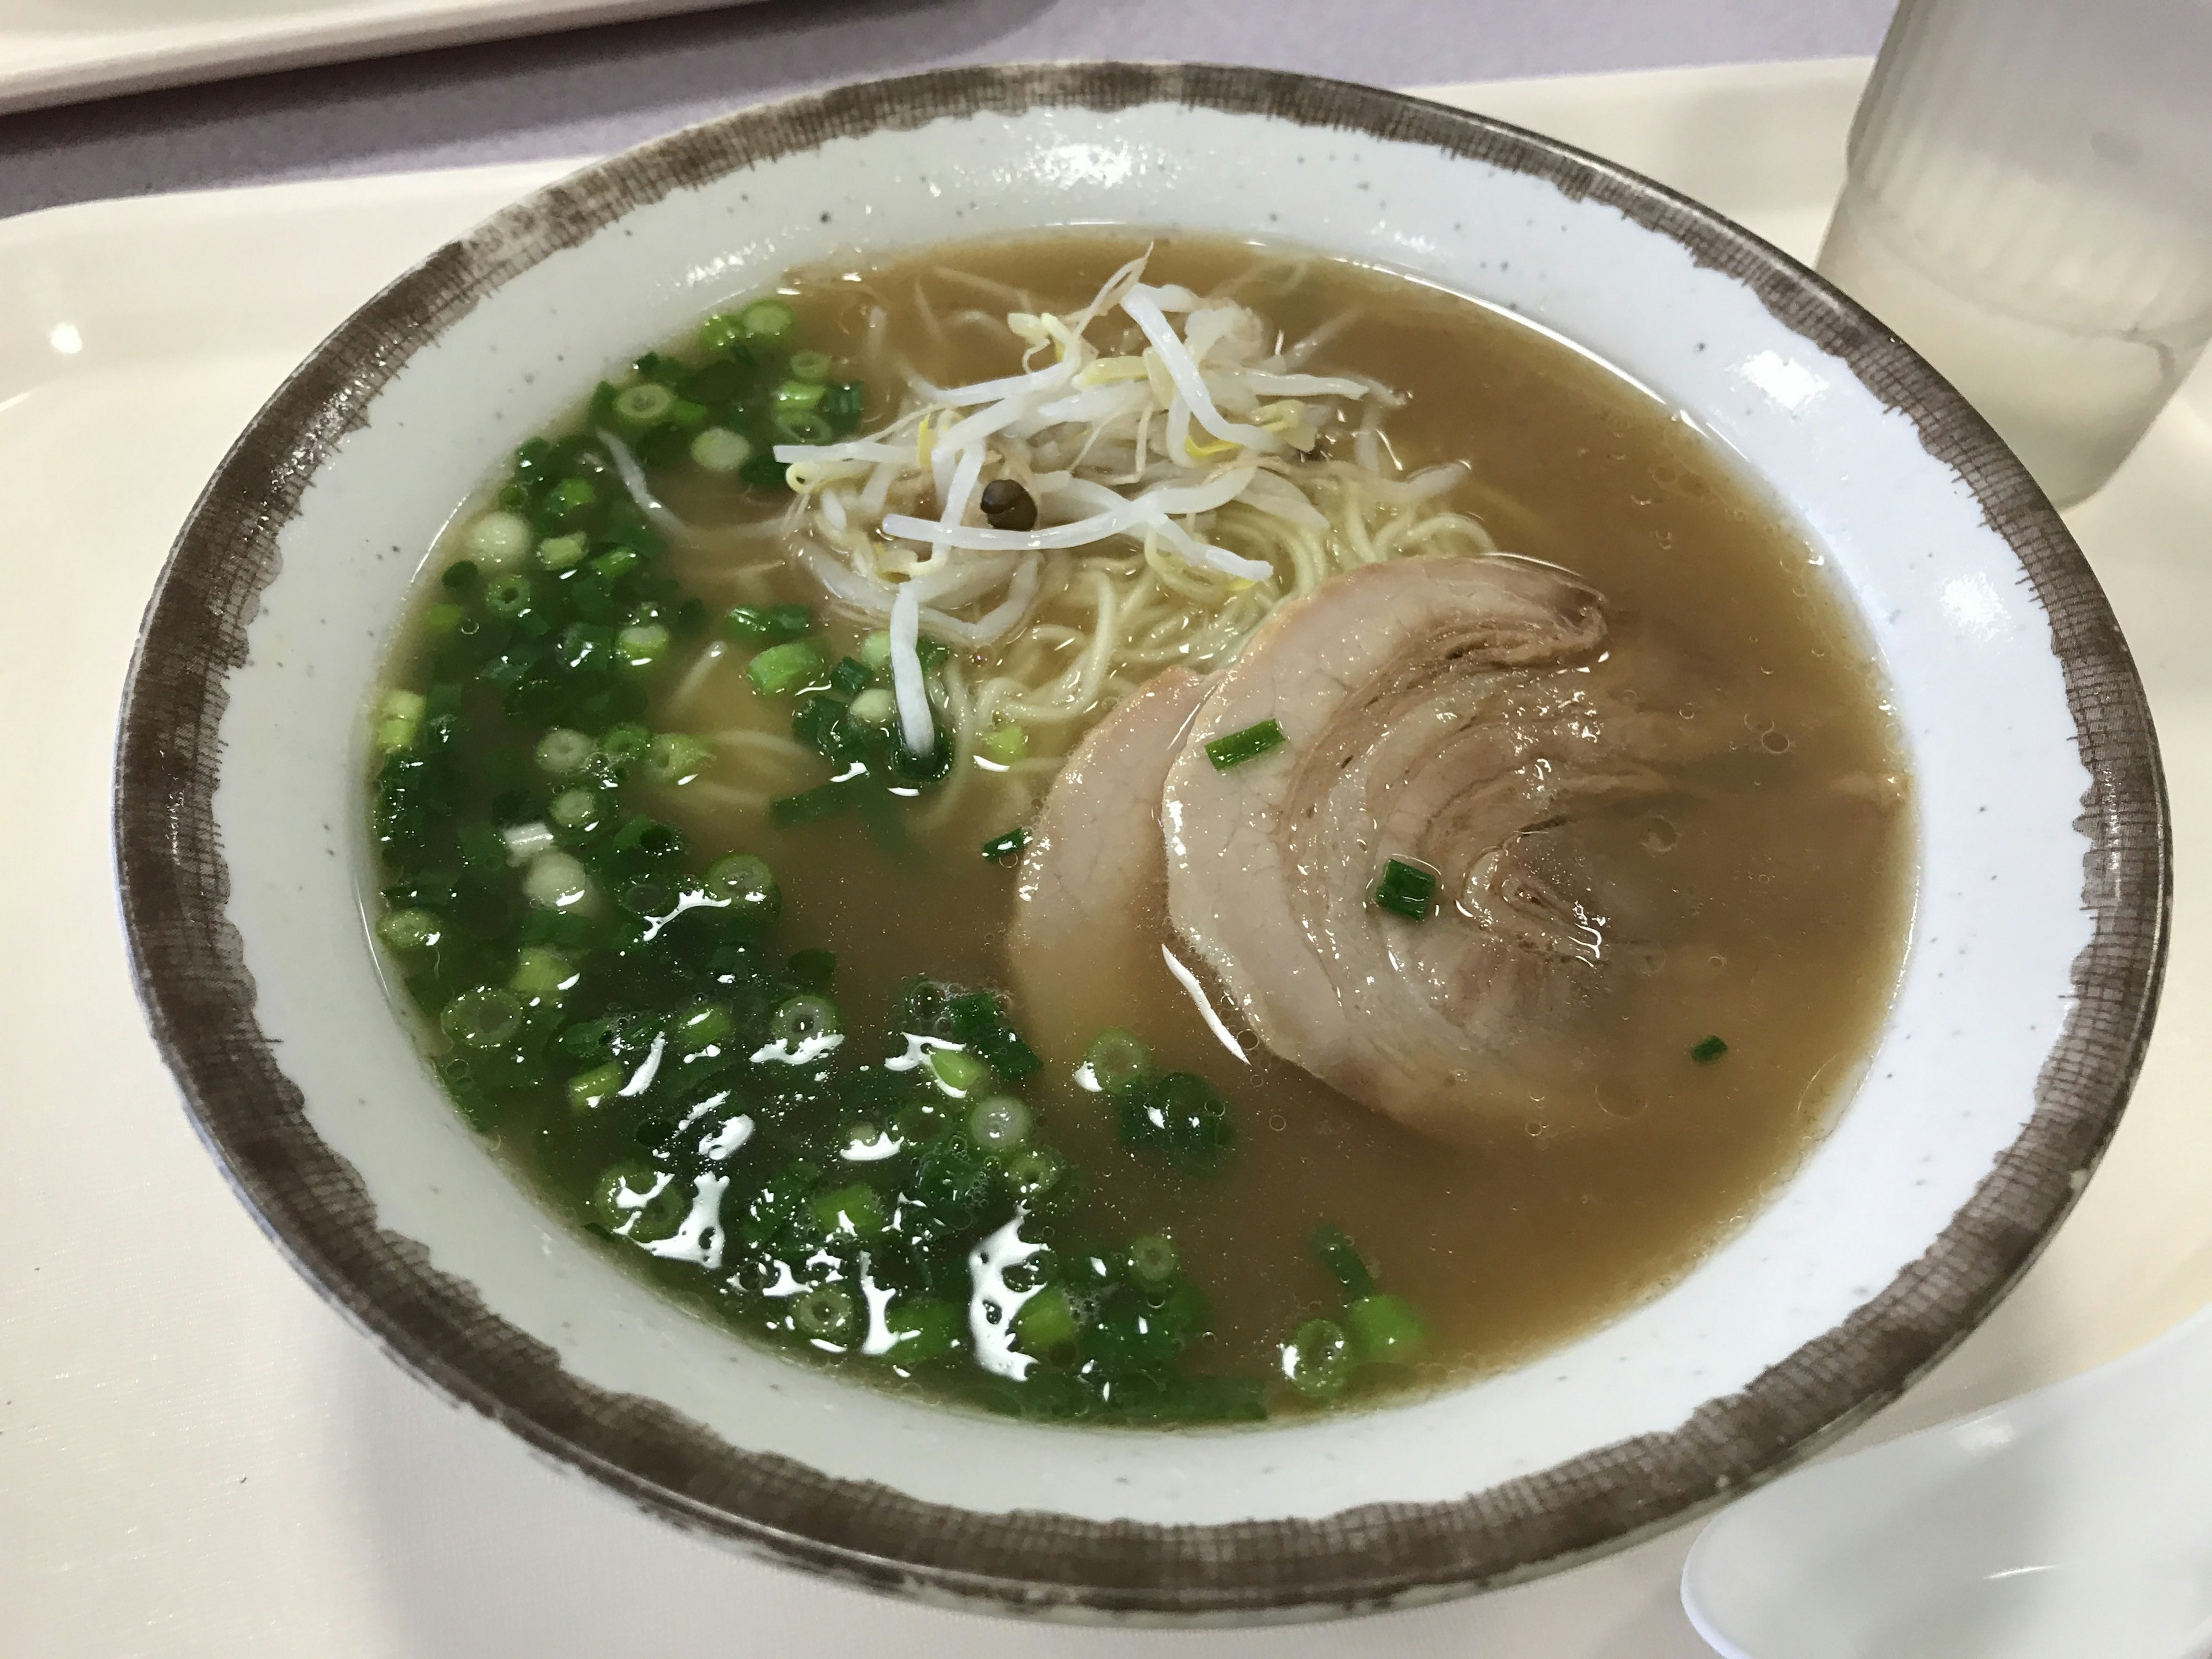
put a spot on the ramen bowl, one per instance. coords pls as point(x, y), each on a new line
point(2029, 977)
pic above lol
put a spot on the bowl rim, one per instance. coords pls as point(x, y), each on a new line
point(188, 965)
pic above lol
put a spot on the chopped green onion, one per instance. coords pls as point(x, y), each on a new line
point(399, 718)
point(411, 930)
point(572, 495)
point(641, 1204)
point(777, 624)
point(507, 597)
point(702, 1026)
point(1317, 1361)
point(1341, 1258)
point(826, 1314)
point(718, 449)
point(803, 1017)
point(1385, 1330)
point(999, 1123)
point(562, 552)
point(1178, 1118)
point(1153, 1258)
point(486, 1017)
point(525, 841)
point(957, 1073)
point(562, 753)
point(643, 405)
point(1009, 1056)
point(479, 1108)
point(1045, 1322)
point(589, 1090)
point(844, 404)
point(1034, 1172)
point(922, 1330)
point(850, 676)
point(810, 365)
point(1409, 890)
point(783, 668)
point(482, 846)
point(1240, 746)
point(798, 396)
point(876, 651)
point(458, 577)
point(625, 744)
point(676, 758)
point(641, 644)
point(1708, 1050)
point(803, 426)
point(1006, 743)
point(766, 319)
point(499, 540)
point(575, 809)
point(873, 706)
point(817, 724)
point(557, 881)
point(764, 471)
point(746, 884)
point(542, 975)
point(616, 564)
point(1116, 1060)
point(719, 331)
point(1000, 848)
point(852, 1211)
point(443, 618)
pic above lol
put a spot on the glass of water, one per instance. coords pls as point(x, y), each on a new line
point(2029, 204)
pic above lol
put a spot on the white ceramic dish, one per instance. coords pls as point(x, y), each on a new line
point(2068, 1522)
point(1900, 1232)
point(54, 50)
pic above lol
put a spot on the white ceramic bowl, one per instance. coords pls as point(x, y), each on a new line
point(2024, 1001)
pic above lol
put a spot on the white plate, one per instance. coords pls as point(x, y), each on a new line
point(196, 1457)
point(54, 50)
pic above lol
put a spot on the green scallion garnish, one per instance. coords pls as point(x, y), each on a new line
point(1708, 1050)
point(766, 319)
point(1000, 848)
point(1240, 746)
point(776, 624)
point(783, 668)
point(1409, 890)
point(641, 406)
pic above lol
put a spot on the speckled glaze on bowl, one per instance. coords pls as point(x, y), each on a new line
point(2025, 1002)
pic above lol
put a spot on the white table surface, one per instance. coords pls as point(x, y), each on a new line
point(588, 92)
point(199, 1458)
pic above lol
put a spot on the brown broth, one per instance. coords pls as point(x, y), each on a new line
point(1776, 892)
point(1787, 899)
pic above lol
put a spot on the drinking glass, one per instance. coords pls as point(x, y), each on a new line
point(2029, 205)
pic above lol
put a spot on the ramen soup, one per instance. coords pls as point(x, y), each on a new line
point(1144, 831)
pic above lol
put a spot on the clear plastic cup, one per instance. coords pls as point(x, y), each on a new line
point(2029, 204)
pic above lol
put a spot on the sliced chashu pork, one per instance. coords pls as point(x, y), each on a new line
point(1089, 903)
point(1432, 712)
